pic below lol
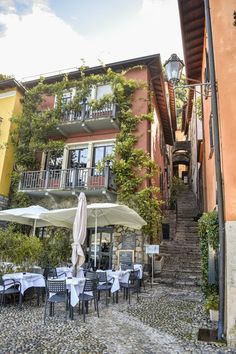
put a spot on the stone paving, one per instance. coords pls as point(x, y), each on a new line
point(164, 320)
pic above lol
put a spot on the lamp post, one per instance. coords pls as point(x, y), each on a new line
point(173, 67)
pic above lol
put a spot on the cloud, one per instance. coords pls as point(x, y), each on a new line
point(35, 41)
point(40, 42)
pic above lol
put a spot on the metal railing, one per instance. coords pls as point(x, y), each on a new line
point(69, 179)
point(87, 112)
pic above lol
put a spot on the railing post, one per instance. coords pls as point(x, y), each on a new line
point(114, 107)
point(47, 179)
point(107, 173)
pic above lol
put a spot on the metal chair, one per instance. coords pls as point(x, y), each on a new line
point(103, 285)
point(133, 284)
point(56, 292)
point(50, 272)
point(9, 287)
point(90, 286)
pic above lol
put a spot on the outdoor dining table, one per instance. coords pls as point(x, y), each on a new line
point(26, 280)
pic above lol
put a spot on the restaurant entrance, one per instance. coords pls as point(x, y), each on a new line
point(103, 249)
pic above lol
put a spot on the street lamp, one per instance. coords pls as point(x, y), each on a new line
point(173, 67)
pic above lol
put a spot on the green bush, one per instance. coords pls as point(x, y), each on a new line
point(211, 302)
point(18, 248)
point(177, 185)
point(208, 230)
point(25, 251)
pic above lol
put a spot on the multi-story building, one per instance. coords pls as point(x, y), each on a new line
point(11, 93)
point(89, 136)
point(204, 57)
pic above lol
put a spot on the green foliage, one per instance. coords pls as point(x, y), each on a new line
point(26, 251)
point(18, 248)
point(180, 100)
point(208, 229)
point(4, 77)
point(211, 302)
point(56, 248)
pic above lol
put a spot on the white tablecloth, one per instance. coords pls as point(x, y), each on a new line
point(26, 280)
point(68, 272)
point(75, 287)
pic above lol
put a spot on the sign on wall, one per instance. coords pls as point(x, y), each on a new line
point(125, 256)
point(151, 249)
point(129, 241)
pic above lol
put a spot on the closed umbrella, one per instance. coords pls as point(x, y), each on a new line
point(26, 216)
point(79, 232)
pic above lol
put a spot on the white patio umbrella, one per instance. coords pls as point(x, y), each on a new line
point(79, 232)
point(27, 216)
point(98, 214)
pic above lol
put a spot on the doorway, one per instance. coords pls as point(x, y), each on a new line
point(103, 247)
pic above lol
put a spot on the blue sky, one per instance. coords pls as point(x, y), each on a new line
point(41, 36)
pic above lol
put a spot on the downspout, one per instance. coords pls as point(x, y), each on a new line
point(219, 181)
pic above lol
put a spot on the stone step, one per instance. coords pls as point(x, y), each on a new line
point(177, 283)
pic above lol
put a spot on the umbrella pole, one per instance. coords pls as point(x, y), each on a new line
point(95, 247)
point(34, 227)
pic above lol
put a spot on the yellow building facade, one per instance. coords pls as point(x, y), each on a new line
point(11, 93)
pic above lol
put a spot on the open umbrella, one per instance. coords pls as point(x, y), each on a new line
point(79, 232)
point(27, 216)
point(98, 214)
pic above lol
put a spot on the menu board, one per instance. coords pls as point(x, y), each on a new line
point(129, 241)
point(126, 256)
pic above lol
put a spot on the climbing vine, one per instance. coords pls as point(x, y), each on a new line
point(133, 167)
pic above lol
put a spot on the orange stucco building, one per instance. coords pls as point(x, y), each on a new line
point(196, 50)
point(88, 139)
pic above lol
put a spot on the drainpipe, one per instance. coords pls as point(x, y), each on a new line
point(218, 173)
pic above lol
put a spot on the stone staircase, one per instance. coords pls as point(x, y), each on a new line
point(182, 260)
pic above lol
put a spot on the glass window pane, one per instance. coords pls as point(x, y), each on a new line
point(103, 90)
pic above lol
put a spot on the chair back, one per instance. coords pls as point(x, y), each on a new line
point(89, 285)
point(133, 276)
point(56, 286)
point(50, 273)
point(1, 281)
point(92, 276)
point(102, 277)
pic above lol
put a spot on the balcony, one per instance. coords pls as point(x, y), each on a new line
point(64, 182)
point(88, 119)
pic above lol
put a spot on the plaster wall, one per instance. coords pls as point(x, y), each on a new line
point(209, 165)
point(224, 34)
point(9, 105)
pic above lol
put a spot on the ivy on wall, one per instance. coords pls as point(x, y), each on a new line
point(208, 229)
point(131, 166)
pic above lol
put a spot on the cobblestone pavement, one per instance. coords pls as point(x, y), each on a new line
point(164, 320)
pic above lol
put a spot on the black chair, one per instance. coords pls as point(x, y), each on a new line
point(56, 292)
point(147, 274)
point(133, 284)
point(103, 285)
point(50, 272)
point(9, 287)
point(92, 276)
point(90, 286)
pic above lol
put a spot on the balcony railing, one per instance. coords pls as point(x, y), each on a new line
point(70, 179)
point(88, 113)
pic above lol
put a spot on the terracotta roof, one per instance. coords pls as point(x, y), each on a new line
point(192, 21)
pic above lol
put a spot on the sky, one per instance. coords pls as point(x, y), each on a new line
point(43, 36)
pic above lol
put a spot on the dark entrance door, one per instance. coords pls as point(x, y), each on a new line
point(104, 247)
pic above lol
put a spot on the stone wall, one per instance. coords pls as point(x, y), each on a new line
point(139, 251)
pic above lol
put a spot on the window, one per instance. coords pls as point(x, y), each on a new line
point(53, 160)
point(78, 158)
point(103, 90)
point(100, 153)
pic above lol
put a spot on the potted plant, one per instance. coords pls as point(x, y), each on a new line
point(212, 306)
